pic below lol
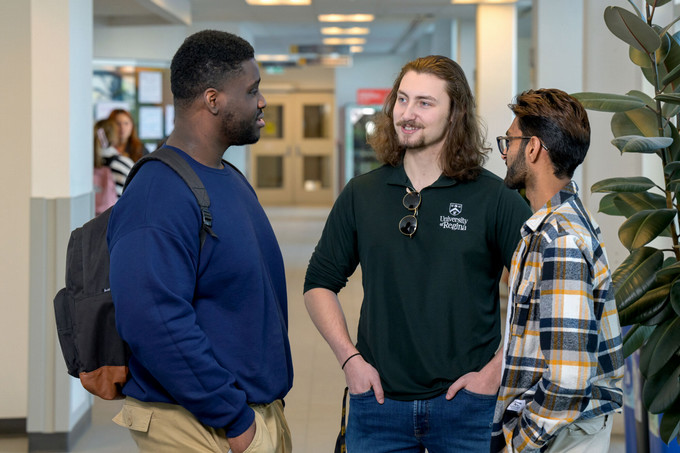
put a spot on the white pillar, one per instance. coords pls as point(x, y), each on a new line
point(15, 187)
point(496, 72)
point(46, 125)
point(558, 40)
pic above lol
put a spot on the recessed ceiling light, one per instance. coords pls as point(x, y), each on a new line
point(346, 17)
point(278, 2)
point(344, 41)
point(272, 57)
point(345, 31)
point(481, 2)
point(356, 49)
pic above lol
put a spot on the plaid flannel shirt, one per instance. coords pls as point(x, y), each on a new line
point(563, 348)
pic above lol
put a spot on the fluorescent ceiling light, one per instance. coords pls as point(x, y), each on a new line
point(273, 57)
point(344, 41)
point(278, 2)
point(346, 17)
point(481, 2)
point(345, 31)
point(356, 49)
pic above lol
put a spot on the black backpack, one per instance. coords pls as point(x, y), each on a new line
point(84, 311)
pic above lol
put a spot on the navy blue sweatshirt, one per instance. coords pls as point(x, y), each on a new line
point(208, 327)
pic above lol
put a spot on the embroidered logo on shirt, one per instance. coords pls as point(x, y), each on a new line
point(454, 222)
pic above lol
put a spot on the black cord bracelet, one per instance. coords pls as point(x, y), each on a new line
point(353, 355)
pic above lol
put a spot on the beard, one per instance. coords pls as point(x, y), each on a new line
point(516, 175)
point(418, 143)
point(241, 131)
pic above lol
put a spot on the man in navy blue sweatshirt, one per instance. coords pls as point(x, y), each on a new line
point(207, 324)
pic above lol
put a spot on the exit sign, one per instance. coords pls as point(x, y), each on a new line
point(372, 96)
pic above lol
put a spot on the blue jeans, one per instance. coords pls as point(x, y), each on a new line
point(460, 425)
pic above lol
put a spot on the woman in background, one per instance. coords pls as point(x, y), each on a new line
point(105, 194)
point(129, 143)
point(107, 136)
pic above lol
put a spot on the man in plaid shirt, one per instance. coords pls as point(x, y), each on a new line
point(562, 349)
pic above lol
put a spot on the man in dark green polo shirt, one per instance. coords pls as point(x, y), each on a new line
point(432, 231)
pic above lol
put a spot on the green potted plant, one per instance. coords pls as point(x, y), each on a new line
point(647, 283)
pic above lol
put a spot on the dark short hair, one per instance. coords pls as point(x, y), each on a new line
point(464, 152)
point(560, 121)
point(205, 60)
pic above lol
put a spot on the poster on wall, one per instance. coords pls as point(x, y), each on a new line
point(151, 123)
point(169, 119)
point(102, 109)
point(150, 87)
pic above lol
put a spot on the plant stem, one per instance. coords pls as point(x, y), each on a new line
point(665, 155)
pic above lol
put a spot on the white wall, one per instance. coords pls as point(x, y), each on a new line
point(608, 69)
point(368, 71)
point(15, 187)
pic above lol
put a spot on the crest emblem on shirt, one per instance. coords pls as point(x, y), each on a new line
point(455, 209)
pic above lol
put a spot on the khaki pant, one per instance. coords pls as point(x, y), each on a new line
point(162, 427)
point(584, 436)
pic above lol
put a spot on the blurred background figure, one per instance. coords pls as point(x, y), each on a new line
point(105, 194)
point(129, 144)
point(108, 137)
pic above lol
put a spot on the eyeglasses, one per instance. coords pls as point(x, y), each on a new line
point(409, 223)
point(504, 141)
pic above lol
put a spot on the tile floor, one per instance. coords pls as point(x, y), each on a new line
point(313, 406)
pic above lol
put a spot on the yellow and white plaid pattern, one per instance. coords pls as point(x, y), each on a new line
point(563, 356)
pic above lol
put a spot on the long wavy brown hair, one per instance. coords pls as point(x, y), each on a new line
point(134, 146)
point(463, 153)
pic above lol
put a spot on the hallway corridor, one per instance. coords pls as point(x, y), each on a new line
point(314, 404)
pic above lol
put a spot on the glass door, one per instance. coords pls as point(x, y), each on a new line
point(293, 163)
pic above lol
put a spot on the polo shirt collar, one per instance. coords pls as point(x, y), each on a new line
point(564, 195)
point(398, 177)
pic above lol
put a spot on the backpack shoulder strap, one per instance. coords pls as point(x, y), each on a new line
point(173, 160)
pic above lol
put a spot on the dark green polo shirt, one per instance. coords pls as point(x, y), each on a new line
point(431, 310)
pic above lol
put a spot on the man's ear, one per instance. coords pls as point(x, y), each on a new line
point(533, 149)
point(210, 100)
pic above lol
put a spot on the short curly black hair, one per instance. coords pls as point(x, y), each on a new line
point(205, 60)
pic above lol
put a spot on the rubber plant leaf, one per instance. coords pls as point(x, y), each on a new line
point(657, 3)
point(672, 98)
point(641, 58)
point(635, 337)
point(648, 348)
point(675, 297)
point(631, 203)
point(635, 275)
point(638, 144)
point(670, 424)
point(631, 29)
point(651, 303)
point(623, 184)
point(641, 122)
point(604, 102)
point(607, 205)
point(666, 348)
point(644, 226)
point(664, 68)
point(663, 389)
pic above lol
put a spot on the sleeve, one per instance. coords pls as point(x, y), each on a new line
point(120, 171)
point(568, 336)
point(336, 255)
point(512, 212)
point(154, 251)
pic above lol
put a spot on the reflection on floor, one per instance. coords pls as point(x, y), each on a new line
point(313, 406)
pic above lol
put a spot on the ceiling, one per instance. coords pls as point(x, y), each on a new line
point(273, 29)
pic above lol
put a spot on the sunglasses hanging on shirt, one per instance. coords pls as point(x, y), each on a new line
point(409, 223)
